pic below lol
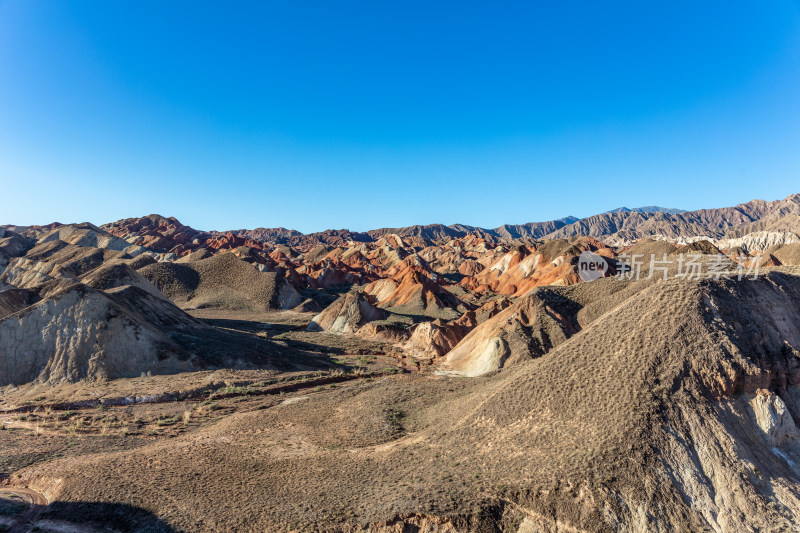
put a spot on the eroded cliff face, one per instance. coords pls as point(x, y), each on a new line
point(26, 273)
point(347, 314)
point(84, 333)
point(527, 329)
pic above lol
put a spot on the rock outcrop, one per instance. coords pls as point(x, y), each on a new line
point(89, 235)
point(410, 287)
point(347, 314)
point(84, 333)
point(432, 340)
point(526, 330)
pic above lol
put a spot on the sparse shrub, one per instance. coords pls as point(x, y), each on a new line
point(234, 390)
point(162, 422)
point(394, 420)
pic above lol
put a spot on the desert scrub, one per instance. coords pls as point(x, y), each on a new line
point(393, 418)
point(171, 421)
point(209, 406)
point(365, 359)
point(233, 390)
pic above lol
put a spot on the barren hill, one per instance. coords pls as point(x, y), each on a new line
point(221, 281)
point(670, 410)
point(154, 232)
point(12, 244)
point(88, 235)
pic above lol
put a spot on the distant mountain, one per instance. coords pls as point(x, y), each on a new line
point(263, 234)
point(627, 226)
point(531, 230)
point(647, 209)
point(617, 227)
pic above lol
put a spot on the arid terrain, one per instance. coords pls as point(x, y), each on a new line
point(155, 377)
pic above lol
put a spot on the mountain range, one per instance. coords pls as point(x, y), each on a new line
point(619, 227)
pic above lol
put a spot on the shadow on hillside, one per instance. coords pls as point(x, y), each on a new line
point(453, 278)
point(252, 326)
point(223, 348)
point(325, 297)
point(117, 516)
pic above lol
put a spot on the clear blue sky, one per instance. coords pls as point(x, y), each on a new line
point(314, 115)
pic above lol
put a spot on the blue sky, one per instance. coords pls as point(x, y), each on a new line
point(315, 115)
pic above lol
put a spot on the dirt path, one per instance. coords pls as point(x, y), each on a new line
point(37, 503)
point(35, 427)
